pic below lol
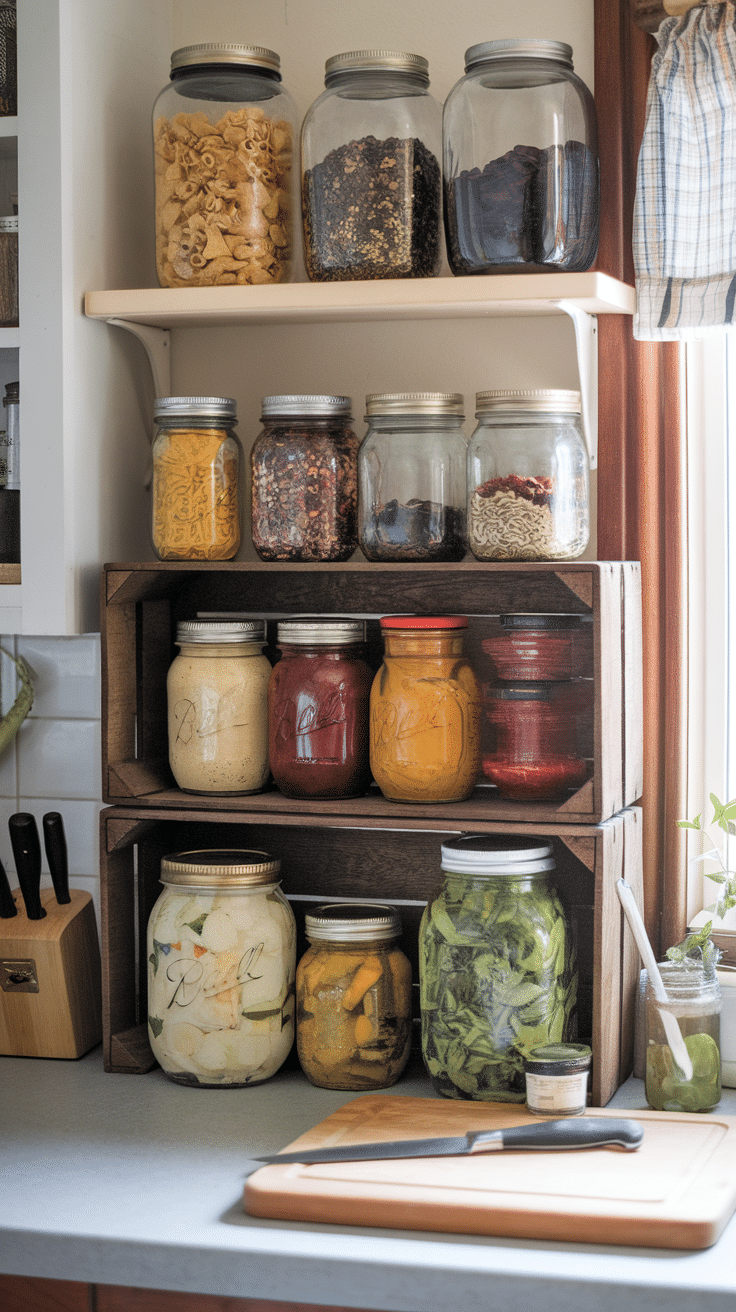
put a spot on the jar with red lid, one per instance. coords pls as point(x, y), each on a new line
point(318, 698)
point(425, 711)
point(533, 754)
point(540, 648)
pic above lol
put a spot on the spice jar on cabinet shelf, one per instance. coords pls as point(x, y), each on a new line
point(425, 711)
point(533, 756)
point(528, 480)
point(497, 970)
point(353, 998)
point(224, 134)
point(304, 491)
point(221, 952)
point(371, 176)
point(196, 479)
point(411, 477)
point(694, 999)
point(520, 151)
point(318, 698)
point(10, 486)
point(217, 694)
point(9, 271)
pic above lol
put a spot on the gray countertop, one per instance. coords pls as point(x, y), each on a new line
point(133, 1180)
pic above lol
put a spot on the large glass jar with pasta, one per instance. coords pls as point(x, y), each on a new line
point(528, 480)
point(497, 973)
point(196, 479)
point(425, 711)
point(224, 136)
point(353, 998)
point(221, 951)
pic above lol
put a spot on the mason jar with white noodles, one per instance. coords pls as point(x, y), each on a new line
point(221, 954)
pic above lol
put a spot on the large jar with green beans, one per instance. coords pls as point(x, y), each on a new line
point(497, 968)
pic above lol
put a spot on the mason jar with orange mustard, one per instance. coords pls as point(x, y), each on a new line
point(425, 711)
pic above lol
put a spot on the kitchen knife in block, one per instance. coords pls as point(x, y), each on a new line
point(27, 854)
point(56, 855)
point(8, 909)
point(50, 980)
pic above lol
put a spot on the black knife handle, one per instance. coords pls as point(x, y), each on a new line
point(56, 854)
point(7, 901)
point(27, 853)
point(572, 1132)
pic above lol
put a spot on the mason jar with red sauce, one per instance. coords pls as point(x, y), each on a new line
point(534, 752)
point(318, 699)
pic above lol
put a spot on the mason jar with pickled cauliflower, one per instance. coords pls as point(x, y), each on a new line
point(353, 997)
point(221, 950)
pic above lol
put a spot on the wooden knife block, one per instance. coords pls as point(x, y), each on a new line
point(50, 979)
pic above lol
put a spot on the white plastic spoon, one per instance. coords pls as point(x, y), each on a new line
point(672, 1030)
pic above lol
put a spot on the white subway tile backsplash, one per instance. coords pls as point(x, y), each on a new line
point(59, 758)
point(66, 675)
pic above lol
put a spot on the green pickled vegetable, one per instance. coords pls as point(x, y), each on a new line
point(497, 978)
point(667, 1089)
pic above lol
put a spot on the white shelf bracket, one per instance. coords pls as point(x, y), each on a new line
point(157, 344)
point(586, 341)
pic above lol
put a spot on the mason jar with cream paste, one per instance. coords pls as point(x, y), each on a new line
point(221, 952)
point(217, 689)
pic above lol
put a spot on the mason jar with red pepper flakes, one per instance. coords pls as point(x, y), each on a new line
point(304, 480)
point(534, 753)
point(318, 699)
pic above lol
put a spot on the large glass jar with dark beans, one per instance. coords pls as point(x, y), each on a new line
point(528, 479)
point(371, 176)
point(224, 136)
point(304, 479)
point(318, 699)
point(520, 151)
point(411, 477)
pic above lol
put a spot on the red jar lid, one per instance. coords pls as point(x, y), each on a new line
point(424, 622)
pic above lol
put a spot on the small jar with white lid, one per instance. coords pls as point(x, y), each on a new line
point(371, 175)
point(520, 146)
point(217, 694)
point(224, 136)
point(196, 510)
point(528, 477)
point(411, 477)
point(221, 949)
point(353, 997)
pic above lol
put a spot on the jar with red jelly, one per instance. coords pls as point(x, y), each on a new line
point(534, 753)
point(318, 701)
point(540, 648)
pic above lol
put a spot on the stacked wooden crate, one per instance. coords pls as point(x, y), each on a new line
point(596, 831)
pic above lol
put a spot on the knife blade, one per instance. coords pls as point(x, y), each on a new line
point(56, 854)
point(27, 853)
point(7, 901)
point(572, 1132)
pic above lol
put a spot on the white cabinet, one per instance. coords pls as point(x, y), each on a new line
point(88, 73)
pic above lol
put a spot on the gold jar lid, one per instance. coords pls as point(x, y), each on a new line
point(353, 922)
point(215, 867)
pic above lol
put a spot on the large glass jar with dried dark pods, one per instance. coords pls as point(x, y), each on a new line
point(371, 175)
point(528, 477)
point(520, 149)
point(318, 699)
point(224, 137)
point(304, 479)
point(221, 955)
point(196, 478)
point(353, 998)
point(497, 967)
point(411, 477)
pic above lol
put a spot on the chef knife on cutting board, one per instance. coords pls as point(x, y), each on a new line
point(56, 854)
point(575, 1132)
point(27, 853)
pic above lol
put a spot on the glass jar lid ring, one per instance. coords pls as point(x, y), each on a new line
point(528, 620)
point(517, 48)
point(216, 52)
point(376, 60)
point(414, 403)
point(305, 405)
point(194, 406)
point(352, 921)
point(320, 632)
point(202, 631)
point(483, 849)
point(215, 867)
point(549, 400)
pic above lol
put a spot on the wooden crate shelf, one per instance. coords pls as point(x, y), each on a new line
point(142, 603)
point(400, 866)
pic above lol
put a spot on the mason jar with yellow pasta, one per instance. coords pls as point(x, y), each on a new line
point(197, 457)
point(353, 998)
point(224, 134)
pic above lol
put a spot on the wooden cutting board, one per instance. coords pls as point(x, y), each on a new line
point(678, 1190)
